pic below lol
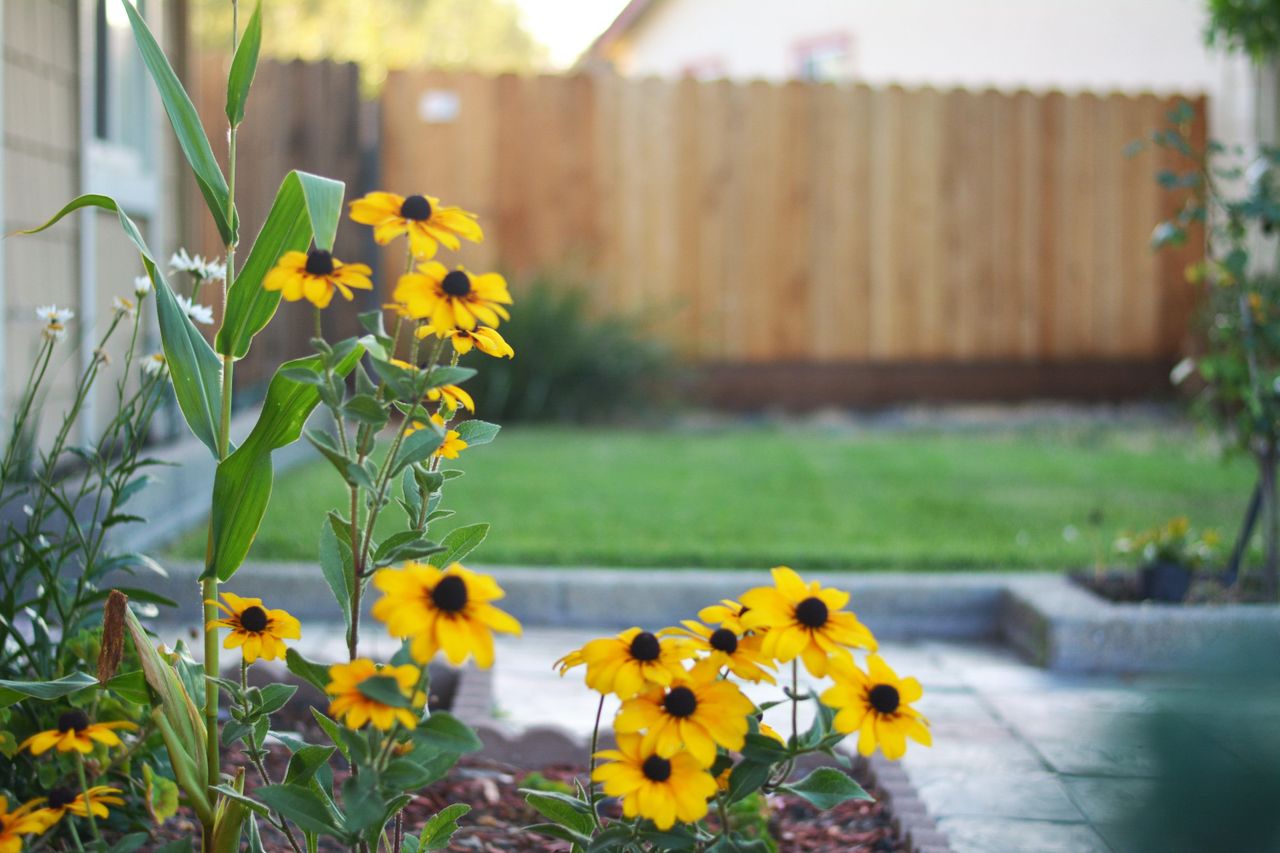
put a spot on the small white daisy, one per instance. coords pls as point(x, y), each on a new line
point(204, 270)
point(122, 305)
point(197, 312)
point(142, 286)
point(154, 364)
point(53, 314)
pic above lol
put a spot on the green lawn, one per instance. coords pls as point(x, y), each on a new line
point(744, 497)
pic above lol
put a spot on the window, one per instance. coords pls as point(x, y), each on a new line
point(121, 117)
point(825, 58)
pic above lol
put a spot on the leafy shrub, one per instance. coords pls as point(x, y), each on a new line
point(573, 364)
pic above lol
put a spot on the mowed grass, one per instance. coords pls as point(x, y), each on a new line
point(756, 497)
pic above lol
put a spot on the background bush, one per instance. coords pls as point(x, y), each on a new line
point(572, 363)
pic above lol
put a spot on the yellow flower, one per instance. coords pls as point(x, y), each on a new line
point(258, 631)
point(804, 620)
point(628, 663)
point(696, 712)
point(315, 276)
point(447, 610)
point(876, 705)
point(452, 444)
point(453, 396)
point(349, 681)
point(452, 299)
point(24, 820)
point(64, 801)
point(728, 614)
point(726, 647)
point(423, 218)
point(75, 732)
point(483, 338)
point(660, 786)
point(769, 731)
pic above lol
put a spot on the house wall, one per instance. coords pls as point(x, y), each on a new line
point(1071, 45)
point(42, 168)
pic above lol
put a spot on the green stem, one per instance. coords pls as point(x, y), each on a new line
point(75, 835)
point(591, 771)
point(84, 789)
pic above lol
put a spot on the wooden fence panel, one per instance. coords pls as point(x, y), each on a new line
point(762, 224)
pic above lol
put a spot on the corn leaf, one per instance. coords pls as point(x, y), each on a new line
point(243, 67)
point(193, 366)
point(12, 692)
point(242, 485)
point(186, 126)
point(306, 207)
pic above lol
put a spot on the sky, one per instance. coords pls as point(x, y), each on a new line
point(567, 27)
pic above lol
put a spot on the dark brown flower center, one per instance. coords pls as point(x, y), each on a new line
point(73, 721)
point(319, 262)
point(417, 208)
point(645, 647)
point(812, 613)
point(680, 702)
point(884, 698)
point(253, 619)
point(724, 640)
point(456, 283)
point(60, 797)
point(450, 595)
point(657, 769)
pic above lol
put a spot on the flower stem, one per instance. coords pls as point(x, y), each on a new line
point(591, 772)
point(84, 790)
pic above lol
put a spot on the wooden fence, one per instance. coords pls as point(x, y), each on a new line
point(850, 230)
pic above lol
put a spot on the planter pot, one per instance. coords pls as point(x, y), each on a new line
point(1165, 582)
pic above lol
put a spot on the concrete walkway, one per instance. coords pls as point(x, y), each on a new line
point(1023, 759)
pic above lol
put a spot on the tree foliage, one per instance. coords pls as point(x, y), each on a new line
point(1248, 26)
point(480, 35)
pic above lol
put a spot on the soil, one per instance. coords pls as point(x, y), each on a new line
point(1123, 586)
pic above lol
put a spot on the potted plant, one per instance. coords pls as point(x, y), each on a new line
point(1167, 557)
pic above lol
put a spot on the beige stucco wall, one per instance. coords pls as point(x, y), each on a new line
point(41, 158)
point(1101, 45)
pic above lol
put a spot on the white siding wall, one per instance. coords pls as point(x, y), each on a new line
point(1100, 45)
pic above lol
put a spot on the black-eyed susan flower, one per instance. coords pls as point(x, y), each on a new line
point(315, 276)
point(27, 819)
point(447, 610)
point(256, 630)
point(483, 338)
point(728, 614)
point(65, 801)
point(352, 686)
point(661, 786)
point(75, 732)
point(804, 620)
point(426, 221)
point(628, 663)
point(725, 647)
point(877, 705)
point(453, 397)
point(452, 299)
point(697, 712)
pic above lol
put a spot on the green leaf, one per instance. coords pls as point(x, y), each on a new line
point(437, 831)
point(337, 567)
point(305, 762)
point(475, 433)
point(366, 409)
point(12, 692)
point(385, 689)
point(130, 686)
point(449, 375)
point(747, 776)
point(306, 207)
point(827, 787)
point(417, 447)
point(561, 809)
point(194, 368)
point(243, 67)
point(446, 732)
point(460, 542)
point(162, 794)
point(315, 674)
point(300, 805)
point(186, 126)
point(333, 731)
point(763, 749)
point(242, 484)
point(274, 697)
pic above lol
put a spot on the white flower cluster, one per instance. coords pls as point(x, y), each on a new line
point(197, 312)
point(204, 270)
point(55, 320)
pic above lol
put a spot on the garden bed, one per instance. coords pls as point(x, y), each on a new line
point(1125, 587)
